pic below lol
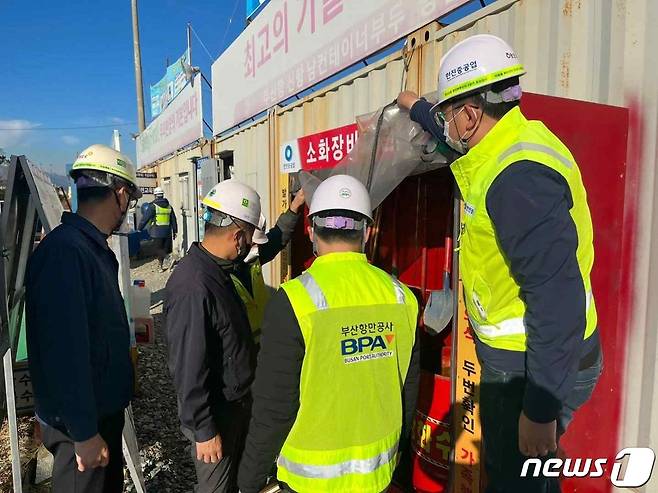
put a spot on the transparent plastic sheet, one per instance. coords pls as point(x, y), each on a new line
point(390, 148)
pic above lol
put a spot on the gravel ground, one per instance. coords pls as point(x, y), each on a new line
point(165, 453)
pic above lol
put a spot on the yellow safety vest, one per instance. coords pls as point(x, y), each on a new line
point(493, 300)
point(359, 327)
point(162, 215)
point(255, 304)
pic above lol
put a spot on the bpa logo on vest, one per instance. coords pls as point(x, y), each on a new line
point(366, 348)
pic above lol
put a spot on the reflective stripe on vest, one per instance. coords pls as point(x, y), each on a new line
point(512, 326)
point(358, 325)
point(162, 215)
point(492, 295)
point(357, 466)
point(319, 300)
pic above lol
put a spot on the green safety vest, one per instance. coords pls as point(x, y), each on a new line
point(255, 304)
point(358, 325)
point(493, 301)
point(162, 216)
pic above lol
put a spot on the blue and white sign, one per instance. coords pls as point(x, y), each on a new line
point(253, 6)
point(290, 160)
point(166, 89)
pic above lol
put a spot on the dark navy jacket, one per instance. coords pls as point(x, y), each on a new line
point(211, 351)
point(77, 330)
point(149, 215)
point(529, 206)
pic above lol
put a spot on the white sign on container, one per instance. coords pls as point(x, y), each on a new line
point(293, 44)
point(180, 124)
point(290, 159)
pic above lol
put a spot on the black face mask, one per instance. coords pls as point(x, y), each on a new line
point(123, 212)
point(243, 251)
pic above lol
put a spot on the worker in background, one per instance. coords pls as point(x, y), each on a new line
point(77, 329)
point(161, 221)
point(526, 254)
point(337, 376)
point(247, 272)
point(209, 339)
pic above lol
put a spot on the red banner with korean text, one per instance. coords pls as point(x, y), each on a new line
point(326, 149)
point(322, 150)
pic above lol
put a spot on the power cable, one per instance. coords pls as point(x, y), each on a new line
point(201, 43)
point(230, 21)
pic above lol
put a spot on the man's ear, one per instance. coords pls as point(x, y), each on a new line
point(309, 230)
point(368, 233)
point(472, 116)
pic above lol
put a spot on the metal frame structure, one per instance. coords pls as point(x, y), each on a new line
point(30, 204)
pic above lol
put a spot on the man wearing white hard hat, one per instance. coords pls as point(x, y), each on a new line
point(526, 255)
point(77, 329)
point(160, 219)
point(209, 337)
point(247, 271)
point(337, 375)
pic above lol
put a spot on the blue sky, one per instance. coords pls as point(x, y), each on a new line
point(69, 63)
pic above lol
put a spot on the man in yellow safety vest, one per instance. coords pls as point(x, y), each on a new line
point(160, 219)
point(525, 257)
point(247, 270)
point(337, 375)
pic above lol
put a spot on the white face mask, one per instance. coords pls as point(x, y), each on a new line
point(457, 145)
point(461, 145)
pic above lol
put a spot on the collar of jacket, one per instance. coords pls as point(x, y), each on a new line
point(488, 149)
point(227, 266)
point(330, 258)
point(82, 224)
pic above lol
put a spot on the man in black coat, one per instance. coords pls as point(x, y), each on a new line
point(211, 350)
point(78, 336)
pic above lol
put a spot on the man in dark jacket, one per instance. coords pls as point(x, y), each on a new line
point(77, 330)
point(161, 221)
point(211, 351)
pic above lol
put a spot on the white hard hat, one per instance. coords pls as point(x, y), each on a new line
point(474, 63)
point(104, 159)
point(235, 199)
point(341, 192)
point(158, 191)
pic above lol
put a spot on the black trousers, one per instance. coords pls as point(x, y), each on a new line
point(163, 248)
point(501, 398)
point(221, 477)
point(67, 478)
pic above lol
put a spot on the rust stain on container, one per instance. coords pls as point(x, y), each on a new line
point(569, 7)
point(565, 68)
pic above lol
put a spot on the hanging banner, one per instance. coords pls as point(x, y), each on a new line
point(164, 91)
point(318, 151)
point(466, 413)
point(292, 45)
point(180, 124)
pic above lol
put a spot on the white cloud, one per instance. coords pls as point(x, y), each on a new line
point(117, 120)
point(13, 132)
point(70, 140)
